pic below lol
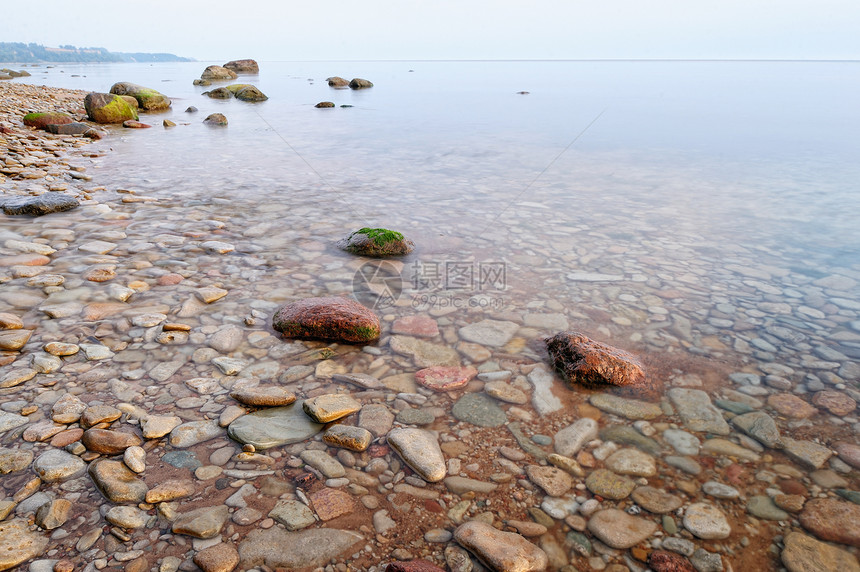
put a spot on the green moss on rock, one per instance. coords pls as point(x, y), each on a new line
point(147, 98)
point(108, 108)
point(376, 242)
point(41, 120)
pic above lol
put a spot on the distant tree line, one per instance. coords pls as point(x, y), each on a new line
point(18, 52)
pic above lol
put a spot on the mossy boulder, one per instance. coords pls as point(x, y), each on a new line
point(358, 83)
point(243, 66)
point(108, 108)
point(376, 242)
point(147, 98)
point(130, 100)
point(218, 72)
point(249, 93)
point(42, 120)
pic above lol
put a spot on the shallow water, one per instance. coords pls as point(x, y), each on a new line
point(701, 214)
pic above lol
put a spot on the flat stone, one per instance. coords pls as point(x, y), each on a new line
point(170, 490)
point(423, 353)
point(331, 503)
point(684, 443)
point(324, 463)
point(791, 406)
point(607, 484)
point(592, 363)
point(274, 427)
point(194, 432)
point(54, 514)
point(505, 392)
point(348, 437)
point(18, 544)
point(849, 453)
point(697, 412)
point(810, 454)
point(117, 482)
point(228, 365)
point(803, 553)
point(729, 449)
point(41, 205)
point(832, 520)
point(418, 326)
point(209, 294)
point(56, 465)
point(99, 414)
point(499, 550)
point(835, 402)
point(626, 435)
point(553, 481)
point(157, 426)
point(627, 408)
point(420, 450)
point(264, 396)
point(14, 340)
point(10, 321)
point(203, 522)
point(414, 416)
point(706, 521)
point(572, 438)
point(11, 421)
point(376, 418)
point(217, 247)
point(361, 380)
point(543, 399)
point(632, 462)
point(14, 378)
point(307, 548)
point(761, 506)
point(14, 460)
point(461, 485)
point(720, 490)
point(493, 333)
point(222, 557)
point(441, 378)
point(109, 442)
point(479, 409)
point(330, 407)
point(761, 427)
point(655, 500)
point(129, 517)
point(328, 318)
point(620, 530)
point(293, 514)
point(68, 409)
point(182, 460)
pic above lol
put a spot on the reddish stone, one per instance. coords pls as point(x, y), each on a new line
point(832, 520)
point(791, 406)
point(219, 558)
point(445, 378)
point(419, 326)
point(414, 566)
point(376, 451)
point(42, 120)
point(332, 503)
point(433, 506)
point(25, 260)
point(585, 361)
point(792, 487)
point(850, 453)
point(664, 561)
point(835, 402)
point(67, 437)
point(109, 442)
point(330, 318)
point(736, 474)
point(169, 279)
point(132, 124)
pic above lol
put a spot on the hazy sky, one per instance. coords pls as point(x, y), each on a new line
point(445, 29)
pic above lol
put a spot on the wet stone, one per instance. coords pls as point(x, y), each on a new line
point(219, 558)
point(56, 465)
point(441, 378)
point(629, 436)
point(331, 503)
point(706, 521)
point(478, 409)
point(420, 450)
point(182, 460)
point(553, 481)
point(330, 407)
point(791, 406)
point(99, 414)
point(684, 443)
point(348, 437)
point(607, 484)
point(109, 442)
point(203, 522)
point(571, 439)
point(656, 500)
point(308, 548)
point(413, 416)
point(493, 333)
point(627, 408)
point(761, 506)
point(720, 490)
point(810, 454)
point(835, 402)
point(729, 449)
point(632, 462)
point(157, 426)
point(376, 418)
point(13, 460)
point(505, 392)
point(698, 414)
point(832, 520)
point(194, 432)
point(53, 514)
point(293, 514)
point(18, 544)
point(170, 490)
point(324, 463)
point(803, 553)
point(264, 396)
point(500, 550)
point(11, 421)
point(128, 517)
point(117, 482)
point(592, 363)
point(761, 427)
point(424, 354)
point(620, 530)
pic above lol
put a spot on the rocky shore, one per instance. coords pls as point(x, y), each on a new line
point(151, 418)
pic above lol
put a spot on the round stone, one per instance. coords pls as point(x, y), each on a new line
point(632, 462)
point(57, 465)
point(655, 500)
point(835, 402)
point(620, 530)
point(706, 521)
point(479, 409)
point(274, 427)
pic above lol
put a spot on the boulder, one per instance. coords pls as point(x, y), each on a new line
point(131, 101)
point(203, 82)
point(219, 93)
point(41, 205)
point(147, 98)
point(250, 93)
point(376, 242)
point(218, 72)
point(243, 66)
point(42, 120)
point(582, 360)
point(336, 81)
point(324, 104)
point(358, 83)
point(328, 318)
point(108, 108)
point(215, 119)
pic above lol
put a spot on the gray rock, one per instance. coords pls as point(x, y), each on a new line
point(274, 427)
point(627, 408)
point(761, 427)
point(493, 333)
point(706, 521)
point(500, 550)
point(11, 421)
point(543, 399)
point(720, 491)
point(620, 530)
point(307, 548)
point(293, 514)
point(204, 522)
point(421, 451)
point(41, 205)
point(479, 409)
point(808, 453)
point(697, 412)
point(321, 461)
point(57, 465)
point(572, 438)
point(376, 418)
point(194, 432)
point(761, 506)
point(684, 443)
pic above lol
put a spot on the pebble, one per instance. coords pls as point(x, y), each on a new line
point(331, 407)
point(706, 521)
point(697, 412)
point(420, 450)
point(607, 484)
point(620, 530)
point(478, 409)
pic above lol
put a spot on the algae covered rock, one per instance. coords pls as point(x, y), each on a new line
point(243, 66)
point(147, 98)
point(108, 108)
point(376, 242)
point(218, 72)
point(250, 93)
point(42, 120)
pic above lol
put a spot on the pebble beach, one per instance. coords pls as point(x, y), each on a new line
point(152, 419)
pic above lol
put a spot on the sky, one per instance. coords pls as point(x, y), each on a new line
point(270, 30)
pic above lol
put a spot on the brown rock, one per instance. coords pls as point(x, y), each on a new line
point(664, 561)
point(14, 340)
point(67, 437)
point(219, 558)
point(170, 490)
point(445, 378)
point(413, 566)
point(264, 396)
point(790, 503)
point(332, 503)
point(588, 362)
point(329, 318)
point(506, 551)
point(803, 553)
point(10, 321)
point(99, 414)
point(791, 406)
point(336, 81)
point(832, 520)
point(243, 66)
point(835, 402)
point(420, 326)
point(109, 442)
point(850, 453)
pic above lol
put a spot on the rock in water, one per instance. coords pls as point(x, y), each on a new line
point(499, 550)
point(18, 544)
point(108, 108)
point(337, 81)
point(215, 119)
point(585, 361)
point(243, 66)
point(832, 520)
point(358, 83)
point(619, 529)
point(246, 92)
point(330, 318)
point(803, 553)
point(218, 72)
point(43, 204)
point(278, 548)
point(274, 427)
point(374, 241)
point(421, 451)
point(147, 98)
point(42, 120)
